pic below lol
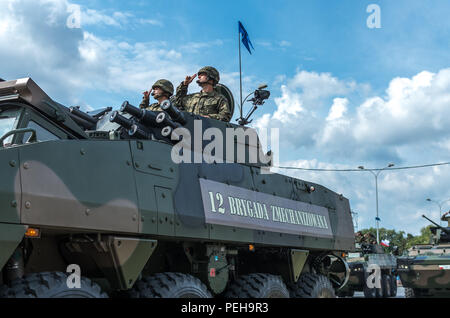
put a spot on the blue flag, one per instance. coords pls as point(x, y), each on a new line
point(245, 39)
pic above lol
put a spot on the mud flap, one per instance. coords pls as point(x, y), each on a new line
point(10, 237)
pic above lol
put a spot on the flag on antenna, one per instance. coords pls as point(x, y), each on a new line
point(245, 38)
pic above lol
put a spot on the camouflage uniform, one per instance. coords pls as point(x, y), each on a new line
point(359, 237)
point(369, 238)
point(145, 105)
point(212, 104)
point(166, 86)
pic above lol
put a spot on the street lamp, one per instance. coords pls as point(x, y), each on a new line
point(440, 207)
point(375, 174)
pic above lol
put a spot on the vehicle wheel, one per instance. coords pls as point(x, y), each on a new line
point(257, 286)
point(372, 292)
point(386, 287)
point(409, 293)
point(169, 285)
point(351, 293)
point(369, 292)
point(347, 293)
point(312, 286)
point(50, 285)
point(393, 285)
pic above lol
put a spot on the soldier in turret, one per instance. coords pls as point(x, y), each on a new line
point(161, 91)
point(359, 237)
point(208, 102)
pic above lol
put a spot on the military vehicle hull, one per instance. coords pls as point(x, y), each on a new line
point(128, 216)
point(363, 277)
point(428, 273)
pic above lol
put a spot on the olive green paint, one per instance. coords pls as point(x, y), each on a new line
point(298, 260)
point(10, 237)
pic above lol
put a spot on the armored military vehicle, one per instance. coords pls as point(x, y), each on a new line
point(425, 270)
point(365, 264)
point(97, 204)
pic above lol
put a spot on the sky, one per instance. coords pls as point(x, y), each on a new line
point(343, 94)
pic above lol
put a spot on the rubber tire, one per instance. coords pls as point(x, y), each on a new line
point(50, 285)
point(257, 286)
point(347, 293)
point(386, 282)
point(409, 293)
point(169, 285)
point(373, 292)
point(393, 285)
point(311, 285)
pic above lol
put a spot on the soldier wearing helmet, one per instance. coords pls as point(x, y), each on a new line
point(208, 102)
point(161, 90)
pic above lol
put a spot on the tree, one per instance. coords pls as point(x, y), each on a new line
point(400, 239)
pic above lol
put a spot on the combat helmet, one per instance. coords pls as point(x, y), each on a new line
point(211, 72)
point(165, 85)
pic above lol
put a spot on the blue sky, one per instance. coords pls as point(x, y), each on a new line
point(342, 94)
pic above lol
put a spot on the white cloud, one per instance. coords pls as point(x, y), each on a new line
point(338, 109)
point(402, 193)
point(196, 46)
point(117, 19)
point(339, 126)
point(302, 100)
point(36, 42)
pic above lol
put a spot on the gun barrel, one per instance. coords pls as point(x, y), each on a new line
point(83, 115)
point(138, 132)
point(130, 109)
point(146, 117)
point(121, 120)
point(173, 112)
point(163, 119)
point(437, 225)
point(83, 123)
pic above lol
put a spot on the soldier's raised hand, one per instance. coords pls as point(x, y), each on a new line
point(189, 79)
point(146, 94)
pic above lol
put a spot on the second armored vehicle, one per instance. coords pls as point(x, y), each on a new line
point(372, 271)
point(425, 270)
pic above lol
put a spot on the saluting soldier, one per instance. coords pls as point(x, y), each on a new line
point(208, 102)
point(359, 237)
point(161, 90)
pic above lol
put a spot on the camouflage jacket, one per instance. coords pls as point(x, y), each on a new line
point(212, 104)
point(145, 105)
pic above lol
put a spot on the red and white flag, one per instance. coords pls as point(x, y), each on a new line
point(385, 243)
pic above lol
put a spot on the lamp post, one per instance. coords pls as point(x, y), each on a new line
point(375, 174)
point(440, 206)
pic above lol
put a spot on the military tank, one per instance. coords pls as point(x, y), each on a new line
point(366, 263)
point(425, 270)
point(96, 204)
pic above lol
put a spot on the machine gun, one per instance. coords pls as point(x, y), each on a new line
point(86, 121)
point(444, 229)
point(445, 236)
